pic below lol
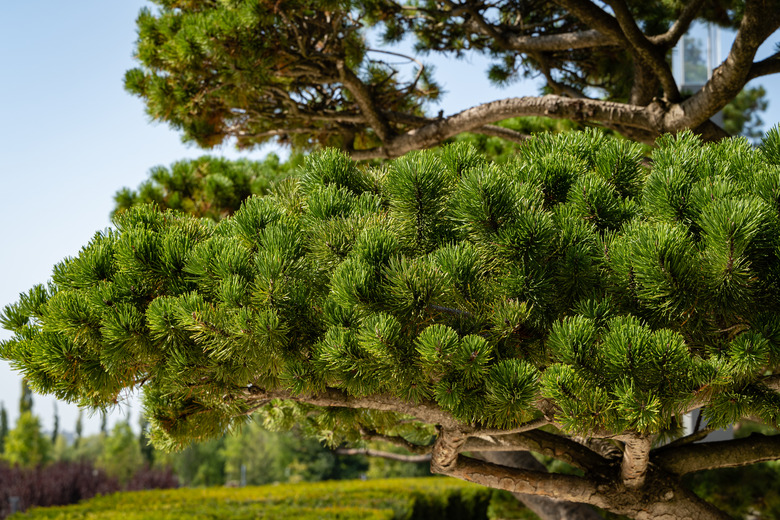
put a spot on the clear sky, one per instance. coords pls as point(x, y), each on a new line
point(70, 137)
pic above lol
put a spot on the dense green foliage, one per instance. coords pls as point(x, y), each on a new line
point(410, 499)
point(208, 187)
point(570, 273)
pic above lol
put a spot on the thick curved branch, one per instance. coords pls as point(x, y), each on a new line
point(544, 507)
point(470, 119)
point(384, 455)
point(722, 454)
point(553, 485)
point(556, 446)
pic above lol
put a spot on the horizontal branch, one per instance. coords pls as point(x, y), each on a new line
point(551, 445)
point(426, 411)
point(559, 42)
point(384, 455)
point(770, 65)
point(553, 485)
point(473, 118)
point(721, 454)
point(396, 441)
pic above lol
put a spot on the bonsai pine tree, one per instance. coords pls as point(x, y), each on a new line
point(569, 302)
point(308, 73)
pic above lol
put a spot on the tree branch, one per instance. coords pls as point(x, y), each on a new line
point(470, 119)
point(595, 17)
point(396, 441)
point(426, 411)
point(528, 426)
point(544, 507)
point(636, 457)
point(384, 455)
point(646, 51)
point(556, 446)
point(722, 454)
point(554, 485)
point(770, 65)
point(772, 382)
point(670, 38)
point(365, 101)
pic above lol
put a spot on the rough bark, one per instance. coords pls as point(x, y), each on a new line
point(545, 508)
point(636, 457)
point(473, 118)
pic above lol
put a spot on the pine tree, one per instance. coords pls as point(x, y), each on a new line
point(310, 73)
point(570, 302)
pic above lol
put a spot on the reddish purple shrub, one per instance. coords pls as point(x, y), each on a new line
point(65, 483)
point(148, 478)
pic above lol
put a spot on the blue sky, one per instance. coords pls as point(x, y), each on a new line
point(71, 137)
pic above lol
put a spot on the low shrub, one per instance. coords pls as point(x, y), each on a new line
point(392, 499)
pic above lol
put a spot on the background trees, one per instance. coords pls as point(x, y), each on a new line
point(306, 73)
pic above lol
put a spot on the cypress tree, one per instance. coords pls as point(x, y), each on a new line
point(569, 302)
point(56, 429)
point(79, 428)
point(3, 426)
point(26, 399)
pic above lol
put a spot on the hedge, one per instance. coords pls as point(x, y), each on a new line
point(392, 499)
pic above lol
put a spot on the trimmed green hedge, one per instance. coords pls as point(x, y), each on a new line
point(392, 499)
